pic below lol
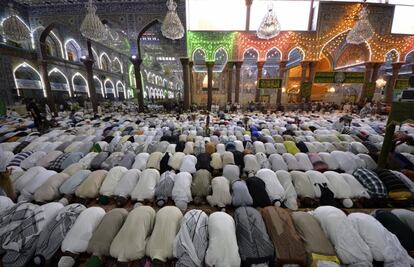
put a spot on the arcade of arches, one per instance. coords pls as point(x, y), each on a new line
point(238, 60)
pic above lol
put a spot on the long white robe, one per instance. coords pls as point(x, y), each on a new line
point(223, 250)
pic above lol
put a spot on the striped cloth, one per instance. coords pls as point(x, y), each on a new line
point(18, 158)
point(391, 181)
point(52, 236)
point(375, 187)
point(163, 191)
point(191, 242)
point(56, 165)
point(255, 246)
point(20, 244)
point(13, 217)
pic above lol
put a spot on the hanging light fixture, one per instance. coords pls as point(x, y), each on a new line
point(14, 28)
point(92, 27)
point(172, 28)
point(362, 30)
point(269, 27)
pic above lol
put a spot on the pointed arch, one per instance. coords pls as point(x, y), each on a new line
point(123, 88)
point(105, 61)
point(96, 58)
point(113, 87)
point(408, 54)
point(77, 74)
point(251, 48)
point(116, 59)
point(72, 47)
point(61, 73)
point(391, 52)
point(277, 49)
point(95, 78)
point(25, 64)
point(297, 48)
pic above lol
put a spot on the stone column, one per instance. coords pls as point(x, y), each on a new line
point(186, 78)
point(48, 89)
point(210, 66)
point(391, 85)
point(375, 71)
point(367, 79)
point(136, 62)
point(260, 65)
point(230, 81)
point(304, 65)
point(88, 62)
point(282, 72)
point(237, 85)
point(312, 73)
point(190, 66)
point(248, 8)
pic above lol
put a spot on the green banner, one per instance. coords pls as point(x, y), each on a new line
point(401, 84)
point(339, 77)
point(269, 84)
point(306, 89)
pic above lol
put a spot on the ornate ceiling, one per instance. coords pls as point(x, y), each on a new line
point(71, 2)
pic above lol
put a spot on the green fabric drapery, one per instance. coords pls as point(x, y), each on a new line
point(401, 112)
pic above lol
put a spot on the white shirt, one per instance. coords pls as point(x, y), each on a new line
point(317, 178)
point(357, 189)
point(303, 162)
point(383, 244)
point(77, 239)
point(273, 187)
point(290, 193)
point(277, 162)
point(145, 188)
point(182, 187)
point(349, 245)
point(188, 164)
point(127, 183)
point(34, 183)
point(338, 184)
point(303, 186)
point(140, 161)
point(111, 181)
point(223, 250)
point(291, 161)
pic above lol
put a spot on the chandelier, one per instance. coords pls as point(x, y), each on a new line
point(362, 30)
point(269, 27)
point(92, 27)
point(172, 28)
point(14, 28)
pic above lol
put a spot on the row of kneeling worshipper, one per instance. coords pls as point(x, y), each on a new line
point(261, 188)
point(32, 235)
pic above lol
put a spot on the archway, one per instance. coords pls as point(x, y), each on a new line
point(99, 88)
point(117, 66)
point(59, 84)
point(121, 91)
point(54, 46)
point(109, 90)
point(271, 66)
point(72, 50)
point(294, 72)
point(105, 62)
point(80, 86)
point(248, 81)
point(28, 81)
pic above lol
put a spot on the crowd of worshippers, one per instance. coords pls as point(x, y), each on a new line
point(262, 167)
